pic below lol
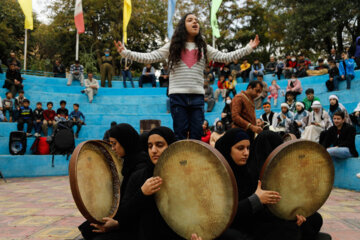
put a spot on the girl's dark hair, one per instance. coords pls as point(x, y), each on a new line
point(178, 42)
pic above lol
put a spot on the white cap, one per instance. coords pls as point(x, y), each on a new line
point(285, 105)
point(333, 97)
point(316, 104)
point(300, 104)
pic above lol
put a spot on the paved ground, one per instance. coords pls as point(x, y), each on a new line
point(43, 208)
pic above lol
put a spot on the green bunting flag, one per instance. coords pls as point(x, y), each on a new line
point(214, 23)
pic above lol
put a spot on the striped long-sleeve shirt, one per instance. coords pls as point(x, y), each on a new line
point(187, 75)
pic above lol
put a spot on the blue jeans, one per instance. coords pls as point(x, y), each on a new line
point(37, 126)
point(339, 152)
point(252, 75)
point(187, 111)
point(127, 74)
point(168, 104)
point(348, 79)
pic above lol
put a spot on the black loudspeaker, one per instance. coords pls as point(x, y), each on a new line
point(17, 143)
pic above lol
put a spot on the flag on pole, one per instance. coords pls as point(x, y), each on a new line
point(126, 18)
point(79, 17)
point(171, 11)
point(214, 23)
point(26, 7)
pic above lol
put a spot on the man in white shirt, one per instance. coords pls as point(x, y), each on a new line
point(91, 87)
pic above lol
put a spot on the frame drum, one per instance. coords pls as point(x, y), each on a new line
point(303, 173)
point(199, 192)
point(95, 180)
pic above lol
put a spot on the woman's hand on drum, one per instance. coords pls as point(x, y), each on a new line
point(107, 226)
point(151, 186)
point(194, 236)
point(119, 46)
point(267, 197)
point(300, 220)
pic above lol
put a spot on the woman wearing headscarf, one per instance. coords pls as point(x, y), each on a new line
point(336, 106)
point(218, 133)
point(206, 132)
point(125, 142)
point(296, 127)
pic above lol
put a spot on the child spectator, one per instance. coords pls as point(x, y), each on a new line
point(148, 75)
point(245, 69)
point(77, 119)
point(259, 100)
point(25, 116)
point(271, 66)
point(77, 73)
point(8, 106)
point(208, 73)
point(218, 133)
point(49, 118)
point(279, 68)
point(294, 86)
point(290, 100)
point(268, 116)
point(221, 88)
point(164, 76)
point(226, 117)
point(91, 87)
point(230, 85)
point(339, 140)
point(257, 69)
point(209, 95)
point(346, 69)
point(310, 98)
point(290, 65)
point(38, 119)
point(206, 132)
point(335, 106)
point(334, 77)
point(235, 69)
point(226, 71)
point(62, 112)
point(19, 100)
point(274, 92)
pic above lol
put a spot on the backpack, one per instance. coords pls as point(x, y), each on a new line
point(63, 142)
point(40, 146)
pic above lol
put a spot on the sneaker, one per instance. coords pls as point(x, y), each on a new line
point(36, 135)
point(28, 134)
point(358, 175)
point(82, 91)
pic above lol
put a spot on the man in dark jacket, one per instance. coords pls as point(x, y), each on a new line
point(339, 140)
point(268, 116)
point(334, 77)
point(13, 80)
point(15, 61)
point(59, 70)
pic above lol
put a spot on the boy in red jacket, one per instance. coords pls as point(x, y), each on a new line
point(49, 118)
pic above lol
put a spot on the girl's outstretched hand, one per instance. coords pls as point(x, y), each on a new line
point(255, 42)
point(119, 46)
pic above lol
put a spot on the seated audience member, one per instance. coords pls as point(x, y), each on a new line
point(164, 76)
point(290, 65)
point(209, 73)
point(334, 56)
point(25, 116)
point(226, 114)
point(77, 118)
point(221, 88)
point(91, 87)
point(206, 132)
point(297, 126)
point(49, 119)
point(59, 70)
point(274, 92)
point(257, 69)
point(38, 119)
point(307, 61)
point(301, 69)
point(346, 69)
point(270, 67)
point(148, 75)
point(310, 98)
point(334, 77)
point(282, 120)
point(8, 106)
point(268, 115)
point(13, 80)
point(260, 123)
point(245, 69)
point(107, 133)
point(235, 69)
point(321, 65)
point(126, 71)
point(218, 133)
point(76, 73)
point(13, 60)
point(62, 114)
point(19, 100)
point(335, 106)
point(1, 108)
point(317, 121)
point(294, 86)
point(291, 101)
point(355, 116)
point(279, 68)
point(230, 86)
point(216, 67)
point(209, 96)
point(339, 140)
point(226, 71)
point(259, 100)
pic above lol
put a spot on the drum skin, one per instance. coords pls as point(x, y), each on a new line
point(94, 180)
point(199, 192)
point(303, 173)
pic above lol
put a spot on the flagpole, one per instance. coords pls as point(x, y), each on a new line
point(77, 46)
point(25, 50)
point(213, 41)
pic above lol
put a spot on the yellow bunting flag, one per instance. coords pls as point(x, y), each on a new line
point(126, 18)
point(26, 6)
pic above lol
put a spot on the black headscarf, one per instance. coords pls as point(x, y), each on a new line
point(143, 141)
point(217, 130)
point(334, 108)
point(224, 145)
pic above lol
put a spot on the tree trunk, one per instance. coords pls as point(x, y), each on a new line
point(339, 37)
point(328, 44)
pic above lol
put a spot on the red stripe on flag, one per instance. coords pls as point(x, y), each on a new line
point(79, 23)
